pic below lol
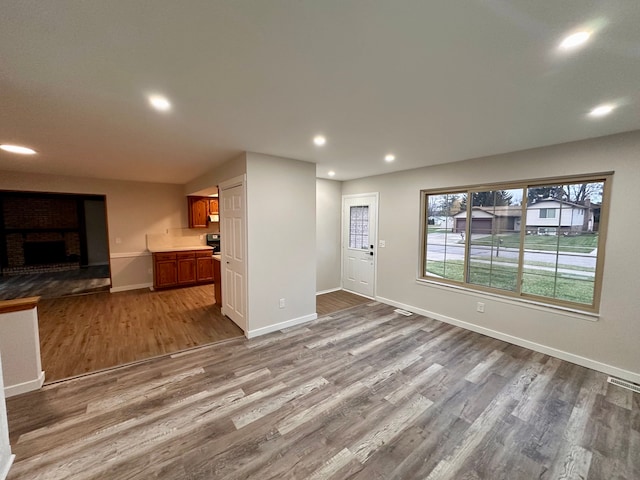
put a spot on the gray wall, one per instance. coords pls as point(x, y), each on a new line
point(96, 225)
point(281, 227)
point(608, 344)
point(328, 241)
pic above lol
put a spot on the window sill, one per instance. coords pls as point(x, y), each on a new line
point(545, 307)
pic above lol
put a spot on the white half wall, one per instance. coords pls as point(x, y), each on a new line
point(328, 218)
point(281, 247)
point(20, 349)
point(612, 340)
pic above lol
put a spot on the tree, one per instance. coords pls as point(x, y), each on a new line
point(535, 194)
point(489, 198)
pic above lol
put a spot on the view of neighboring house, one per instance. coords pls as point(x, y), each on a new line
point(550, 217)
point(490, 219)
point(544, 217)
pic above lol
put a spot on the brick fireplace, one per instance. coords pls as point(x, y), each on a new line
point(41, 233)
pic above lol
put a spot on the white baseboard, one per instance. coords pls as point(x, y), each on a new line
point(30, 386)
point(322, 292)
point(554, 352)
point(124, 288)
point(4, 469)
point(282, 325)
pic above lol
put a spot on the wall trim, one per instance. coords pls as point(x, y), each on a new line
point(554, 352)
point(4, 469)
point(331, 290)
point(282, 325)
point(24, 387)
point(130, 254)
point(125, 288)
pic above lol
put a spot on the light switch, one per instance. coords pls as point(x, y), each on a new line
point(382, 244)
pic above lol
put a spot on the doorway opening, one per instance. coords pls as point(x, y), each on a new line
point(52, 244)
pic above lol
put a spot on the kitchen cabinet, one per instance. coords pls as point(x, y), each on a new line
point(204, 266)
point(198, 211)
point(213, 206)
point(183, 268)
point(217, 282)
point(186, 264)
point(165, 270)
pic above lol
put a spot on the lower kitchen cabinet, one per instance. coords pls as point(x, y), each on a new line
point(173, 269)
point(217, 282)
point(204, 266)
point(165, 270)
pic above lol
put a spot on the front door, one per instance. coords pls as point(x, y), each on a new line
point(359, 215)
point(233, 251)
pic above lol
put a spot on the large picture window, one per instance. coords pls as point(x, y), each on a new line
point(542, 240)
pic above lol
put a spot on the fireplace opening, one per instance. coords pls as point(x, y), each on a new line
point(44, 253)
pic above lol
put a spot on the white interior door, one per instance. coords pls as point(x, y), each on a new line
point(233, 250)
point(359, 231)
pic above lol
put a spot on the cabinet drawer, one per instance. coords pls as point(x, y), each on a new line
point(184, 255)
point(204, 253)
point(160, 257)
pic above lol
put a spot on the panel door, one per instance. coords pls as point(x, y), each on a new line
point(359, 218)
point(233, 231)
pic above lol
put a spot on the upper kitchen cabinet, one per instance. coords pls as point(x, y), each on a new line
point(213, 206)
point(198, 212)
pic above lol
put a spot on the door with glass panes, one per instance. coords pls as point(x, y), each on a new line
point(359, 215)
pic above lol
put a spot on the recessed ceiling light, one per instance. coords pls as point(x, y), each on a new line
point(332, 173)
point(602, 110)
point(160, 103)
point(574, 40)
point(18, 149)
point(319, 140)
point(390, 157)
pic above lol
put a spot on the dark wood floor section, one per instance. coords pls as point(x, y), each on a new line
point(56, 284)
point(363, 394)
point(80, 334)
point(339, 300)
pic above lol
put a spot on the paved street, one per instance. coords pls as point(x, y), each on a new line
point(441, 246)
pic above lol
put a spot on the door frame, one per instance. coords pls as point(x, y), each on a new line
point(239, 181)
point(375, 245)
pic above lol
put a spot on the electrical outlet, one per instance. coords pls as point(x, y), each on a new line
point(282, 303)
point(480, 307)
point(118, 240)
point(150, 271)
point(382, 244)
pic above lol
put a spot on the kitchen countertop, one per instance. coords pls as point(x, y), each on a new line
point(217, 256)
point(180, 249)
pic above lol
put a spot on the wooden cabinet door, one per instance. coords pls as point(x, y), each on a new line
point(198, 212)
point(186, 268)
point(165, 273)
point(217, 280)
point(204, 268)
point(213, 206)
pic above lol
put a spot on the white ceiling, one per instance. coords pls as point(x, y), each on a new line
point(431, 81)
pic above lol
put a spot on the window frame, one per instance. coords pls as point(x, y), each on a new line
point(593, 308)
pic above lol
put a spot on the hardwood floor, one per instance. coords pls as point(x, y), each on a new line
point(80, 334)
point(362, 394)
point(55, 284)
point(339, 300)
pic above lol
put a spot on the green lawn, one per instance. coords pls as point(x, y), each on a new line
point(578, 243)
point(535, 282)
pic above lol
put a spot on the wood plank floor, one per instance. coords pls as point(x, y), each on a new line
point(339, 300)
point(80, 334)
point(362, 394)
